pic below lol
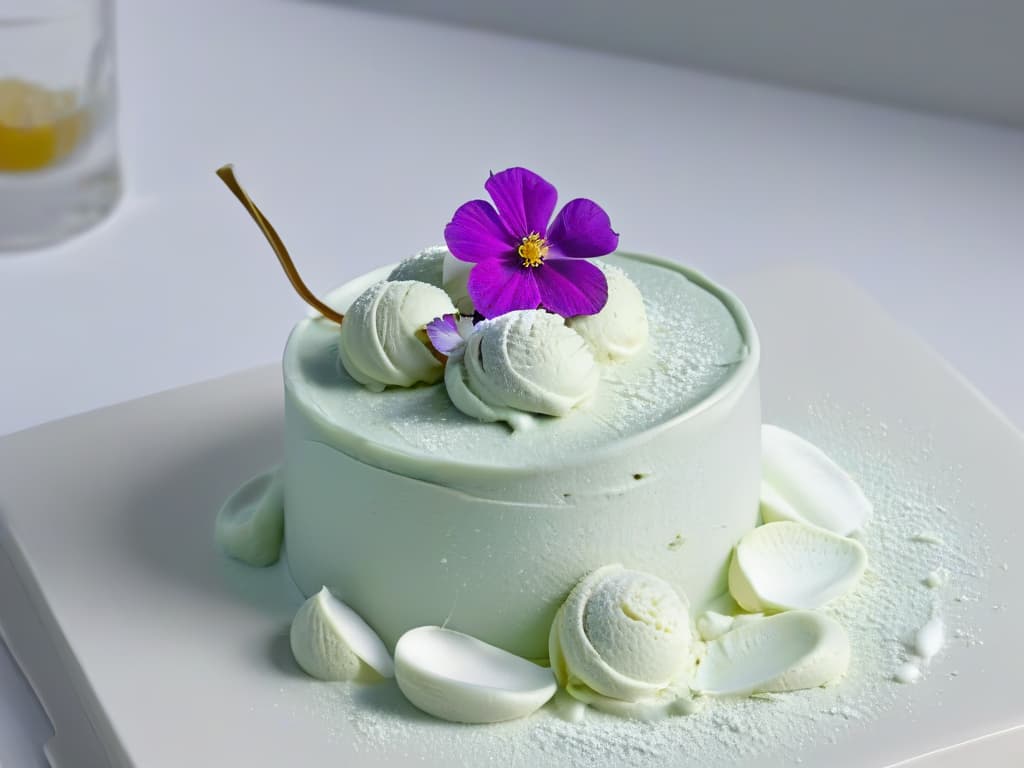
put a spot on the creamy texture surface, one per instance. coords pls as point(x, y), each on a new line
point(415, 514)
point(694, 346)
point(520, 364)
point(456, 677)
point(378, 346)
point(330, 641)
point(619, 331)
point(621, 634)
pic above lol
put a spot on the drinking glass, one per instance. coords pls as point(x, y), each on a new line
point(59, 170)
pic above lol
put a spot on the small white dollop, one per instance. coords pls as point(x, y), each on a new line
point(787, 652)
point(621, 634)
point(330, 641)
point(907, 673)
point(935, 579)
point(620, 329)
point(456, 677)
point(802, 484)
point(250, 524)
point(427, 266)
point(786, 565)
point(930, 638)
point(521, 363)
point(455, 279)
point(380, 344)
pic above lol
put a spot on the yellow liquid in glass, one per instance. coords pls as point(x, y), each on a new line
point(38, 127)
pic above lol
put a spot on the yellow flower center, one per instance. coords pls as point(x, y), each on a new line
point(533, 250)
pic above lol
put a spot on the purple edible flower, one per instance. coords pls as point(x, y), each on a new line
point(522, 261)
point(448, 334)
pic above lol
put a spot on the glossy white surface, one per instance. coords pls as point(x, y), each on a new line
point(799, 482)
point(787, 565)
point(922, 212)
point(459, 678)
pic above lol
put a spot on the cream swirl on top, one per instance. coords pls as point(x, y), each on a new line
point(380, 344)
point(621, 634)
point(521, 363)
point(620, 329)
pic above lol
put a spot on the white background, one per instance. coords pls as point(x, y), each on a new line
point(360, 134)
point(951, 56)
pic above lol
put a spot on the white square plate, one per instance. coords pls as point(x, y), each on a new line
point(111, 586)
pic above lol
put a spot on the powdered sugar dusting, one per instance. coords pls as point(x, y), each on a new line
point(695, 345)
point(911, 494)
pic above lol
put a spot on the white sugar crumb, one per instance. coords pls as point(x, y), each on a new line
point(907, 673)
point(913, 495)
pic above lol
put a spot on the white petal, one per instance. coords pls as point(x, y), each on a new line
point(805, 485)
point(330, 641)
point(456, 677)
point(783, 566)
point(712, 625)
point(788, 652)
point(250, 525)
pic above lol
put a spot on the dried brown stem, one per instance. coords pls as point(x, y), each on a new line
point(227, 175)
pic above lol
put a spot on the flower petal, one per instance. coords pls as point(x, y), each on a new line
point(582, 230)
point(445, 335)
point(524, 200)
point(476, 233)
point(569, 288)
point(498, 286)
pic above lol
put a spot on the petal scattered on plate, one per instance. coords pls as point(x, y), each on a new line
point(456, 677)
point(785, 566)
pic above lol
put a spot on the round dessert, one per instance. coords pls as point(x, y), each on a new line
point(415, 513)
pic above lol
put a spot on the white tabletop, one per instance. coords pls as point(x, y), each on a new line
point(360, 134)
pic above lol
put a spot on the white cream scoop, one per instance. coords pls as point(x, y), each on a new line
point(456, 677)
point(620, 330)
point(787, 652)
point(518, 364)
point(330, 641)
point(250, 524)
point(785, 566)
point(801, 483)
point(621, 634)
point(380, 345)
